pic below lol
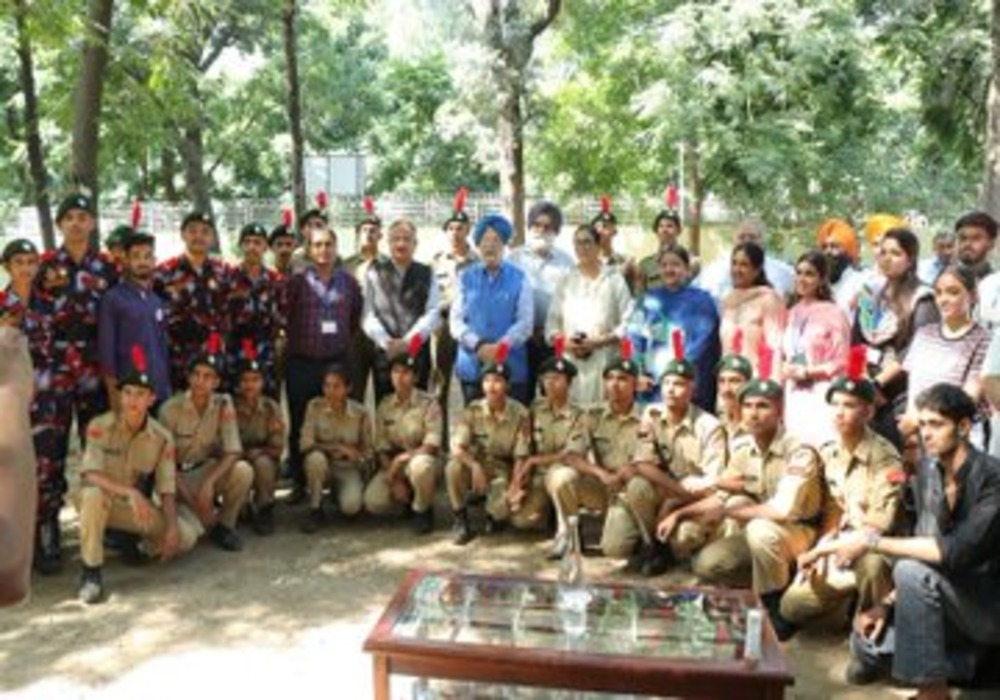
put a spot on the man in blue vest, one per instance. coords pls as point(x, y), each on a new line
point(494, 303)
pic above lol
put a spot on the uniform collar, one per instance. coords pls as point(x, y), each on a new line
point(606, 412)
point(243, 405)
point(777, 448)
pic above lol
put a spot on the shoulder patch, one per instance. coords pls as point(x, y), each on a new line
point(897, 477)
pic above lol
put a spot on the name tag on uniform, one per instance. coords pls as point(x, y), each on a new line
point(328, 327)
point(159, 315)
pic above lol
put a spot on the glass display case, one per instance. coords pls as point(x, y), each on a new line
point(470, 636)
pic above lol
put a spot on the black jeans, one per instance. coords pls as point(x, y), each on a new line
point(303, 383)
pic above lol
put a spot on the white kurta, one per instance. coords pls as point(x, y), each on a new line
point(595, 306)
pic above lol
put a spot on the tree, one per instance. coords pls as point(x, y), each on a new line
point(294, 105)
point(990, 199)
point(89, 93)
point(32, 137)
point(510, 34)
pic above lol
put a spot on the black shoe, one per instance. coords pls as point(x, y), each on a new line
point(225, 538)
point(658, 559)
point(91, 589)
point(263, 521)
point(313, 522)
point(130, 552)
point(860, 673)
point(297, 496)
point(494, 527)
point(48, 547)
point(462, 528)
point(423, 523)
point(783, 629)
point(634, 564)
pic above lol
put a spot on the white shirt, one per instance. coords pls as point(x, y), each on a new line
point(544, 273)
point(987, 311)
point(425, 325)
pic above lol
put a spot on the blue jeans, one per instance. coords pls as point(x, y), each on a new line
point(940, 629)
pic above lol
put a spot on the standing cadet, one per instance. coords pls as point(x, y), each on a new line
point(770, 496)
point(132, 314)
point(554, 419)
point(667, 229)
point(255, 313)
point(195, 287)
point(20, 309)
point(487, 445)
point(68, 288)
point(682, 451)
point(209, 452)
point(407, 444)
point(129, 457)
point(401, 303)
point(863, 473)
point(600, 456)
point(606, 225)
point(262, 433)
point(448, 264)
point(367, 234)
point(336, 444)
point(282, 242)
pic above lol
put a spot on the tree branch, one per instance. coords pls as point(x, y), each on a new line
point(551, 11)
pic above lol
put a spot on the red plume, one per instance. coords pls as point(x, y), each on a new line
point(73, 359)
point(677, 341)
point(286, 217)
point(765, 361)
point(605, 204)
point(136, 214)
point(214, 343)
point(738, 341)
point(138, 359)
point(369, 204)
point(673, 197)
point(249, 350)
point(857, 360)
point(460, 197)
point(416, 342)
point(503, 350)
point(626, 349)
point(559, 346)
point(322, 200)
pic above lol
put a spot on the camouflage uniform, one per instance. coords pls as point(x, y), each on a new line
point(255, 313)
point(197, 304)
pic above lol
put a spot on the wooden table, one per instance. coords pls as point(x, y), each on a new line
point(509, 630)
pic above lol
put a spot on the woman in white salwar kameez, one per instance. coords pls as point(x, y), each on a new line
point(589, 309)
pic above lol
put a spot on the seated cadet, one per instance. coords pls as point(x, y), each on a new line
point(553, 419)
point(262, 432)
point(863, 473)
point(599, 457)
point(732, 374)
point(129, 457)
point(492, 437)
point(767, 501)
point(407, 444)
point(944, 614)
point(209, 451)
point(336, 444)
point(682, 451)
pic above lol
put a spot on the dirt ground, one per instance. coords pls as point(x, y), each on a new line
point(288, 614)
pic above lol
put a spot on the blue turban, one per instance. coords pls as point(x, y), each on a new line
point(498, 222)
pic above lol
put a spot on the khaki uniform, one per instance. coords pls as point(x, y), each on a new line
point(610, 441)
point(144, 460)
point(551, 430)
point(648, 274)
point(788, 478)
point(324, 426)
point(203, 439)
point(446, 268)
point(862, 492)
point(496, 442)
point(691, 451)
point(262, 431)
point(403, 427)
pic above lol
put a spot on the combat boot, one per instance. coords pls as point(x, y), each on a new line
point(463, 528)
point(91, 589)
point(48, 547)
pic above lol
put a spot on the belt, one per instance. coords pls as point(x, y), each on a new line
point(185, 467)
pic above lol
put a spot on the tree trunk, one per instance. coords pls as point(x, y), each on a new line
point(695, 196)
point(168, 169)
point(32, 138)
point(990, 198)
point(89, 92)
point(294, 107)
point(511, 131)
point(192, 148)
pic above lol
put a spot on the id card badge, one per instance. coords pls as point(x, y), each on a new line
point(328, 327)
point(874, 356)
